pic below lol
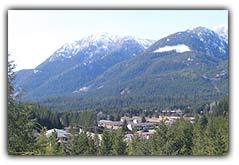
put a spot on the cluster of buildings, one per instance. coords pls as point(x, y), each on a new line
point(136, 127)
point(144, 129)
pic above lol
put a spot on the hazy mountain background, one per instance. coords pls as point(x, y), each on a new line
point(184, 69)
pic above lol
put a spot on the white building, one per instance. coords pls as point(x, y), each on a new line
point(62, 135)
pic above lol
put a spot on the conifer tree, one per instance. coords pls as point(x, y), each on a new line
point(80, 144)
point(19, 123)
point(179, 138)
point(160, 139)
point(54, 147)
point(41, 143)
point(119, 145)
point(106, 143)
point(199, 143)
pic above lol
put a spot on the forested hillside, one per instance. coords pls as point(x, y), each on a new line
point(184, 69)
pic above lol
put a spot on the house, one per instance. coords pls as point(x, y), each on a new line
point(146, 135)
point(155, 120)
point(76, 129)
point(134, 119)
point(110, 124)
point(169, 120)
point(140, 126)
point(62, 135)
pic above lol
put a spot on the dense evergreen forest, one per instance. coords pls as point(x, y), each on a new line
point(209, 135)
point(61, 104)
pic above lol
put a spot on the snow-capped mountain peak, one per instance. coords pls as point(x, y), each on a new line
point(200, 39)
point(98, 42)
point(145, 42)
point(201, 31)
point(101, 37)
point(221, 30)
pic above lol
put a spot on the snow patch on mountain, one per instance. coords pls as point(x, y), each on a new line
point(145, 42)
point(180, 48)
point(189, 59)
point(35, 71)
point(214, 40)
point(83, 89)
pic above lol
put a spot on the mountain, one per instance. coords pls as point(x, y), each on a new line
point(77, 63)
point(184, 69)
point(222, 30)
point(191, 64)
point(198, 39)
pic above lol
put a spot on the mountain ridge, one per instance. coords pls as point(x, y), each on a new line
point(185, 65)
point(79, 64)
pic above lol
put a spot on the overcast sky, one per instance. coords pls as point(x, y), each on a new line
point(34, 35)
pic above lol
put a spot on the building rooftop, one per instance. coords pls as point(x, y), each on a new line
point(60, 133)
point(109, 122)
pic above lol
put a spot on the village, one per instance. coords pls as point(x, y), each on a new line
point(137, 126)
